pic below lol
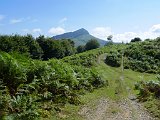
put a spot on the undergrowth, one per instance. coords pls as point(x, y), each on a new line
point(29, 87)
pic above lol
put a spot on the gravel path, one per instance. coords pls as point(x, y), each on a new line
point(96, 113)
point(116, 110)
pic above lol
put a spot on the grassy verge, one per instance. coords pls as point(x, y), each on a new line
point(153, 106)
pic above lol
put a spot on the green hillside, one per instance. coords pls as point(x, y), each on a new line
point(58, 88)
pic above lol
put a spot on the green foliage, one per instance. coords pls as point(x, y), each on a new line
point(87, 59)
point(25, 84)
point(110, 37)
point(12, 73)
point(80, 48)
point(96, 80)
point(137, 39)
point(39, 48)
point(22, 44)
point(92, 44)
point(149, 93)
point(138, 56)
point(113, 59)
point(35, 50)
point(153, 106)
point(56, 48)
point(147, 89)
point(144, 56)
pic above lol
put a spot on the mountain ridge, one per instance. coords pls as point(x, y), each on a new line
point(80, 37)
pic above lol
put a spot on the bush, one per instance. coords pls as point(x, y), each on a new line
point(147, 89)
point(149, 93)
point(113, 59)
point(25, 84)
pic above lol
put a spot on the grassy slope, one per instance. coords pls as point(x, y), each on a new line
point(113, 75)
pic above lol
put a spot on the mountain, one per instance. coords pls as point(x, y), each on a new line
point(80, 37)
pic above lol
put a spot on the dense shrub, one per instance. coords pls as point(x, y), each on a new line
point(37, 48)
point(29, 87)
point(139, 56)
point(149, 93)
point(113, 59)
point(87, 59)
point(22, 44)
point(147, 89)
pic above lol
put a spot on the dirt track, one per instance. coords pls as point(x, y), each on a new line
point(107, 109)
point(121, 109)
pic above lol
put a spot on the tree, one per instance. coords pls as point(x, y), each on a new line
point(92, 44)
point(68, 46)
point(21, 44)
point(110, 42)
point(80, 48)
point(109, 38)
point(137, 39)
point(56, 48)
point(35, 50)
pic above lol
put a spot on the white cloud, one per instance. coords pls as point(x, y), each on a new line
point(63, 20)
point(14, 21)
point(19, 20)
point(56, 30)
point(2, 17)
point(125, 37)
point(155, 28)
point(101, 32)
point(37, 30)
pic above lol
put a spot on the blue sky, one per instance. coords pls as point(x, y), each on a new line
point(124, 19)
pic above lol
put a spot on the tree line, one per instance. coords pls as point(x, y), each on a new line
point(42, 47)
